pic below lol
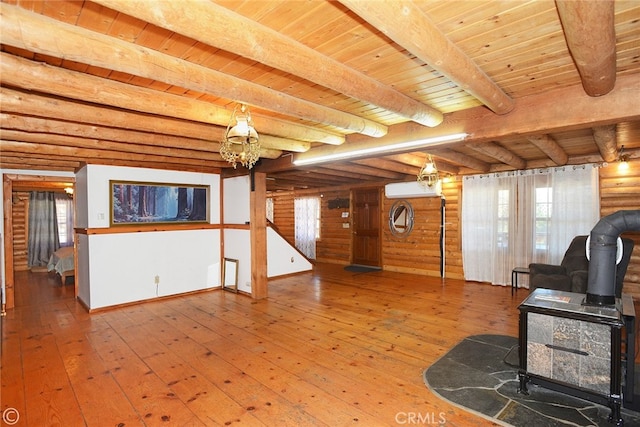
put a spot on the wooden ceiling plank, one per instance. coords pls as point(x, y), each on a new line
point(590, 33)
point(550, 147)
point(34, 32)
point(408, 26)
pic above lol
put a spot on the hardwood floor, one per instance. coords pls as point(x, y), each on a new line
point(328, 348)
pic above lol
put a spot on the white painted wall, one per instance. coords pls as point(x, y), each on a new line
point(97, 189)
point(119, 268)
point(237, 245)
point(236, 203)
point(236, 210)
point(124, 266)
point(282, 258)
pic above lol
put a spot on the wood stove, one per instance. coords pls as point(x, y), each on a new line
point(572, 347)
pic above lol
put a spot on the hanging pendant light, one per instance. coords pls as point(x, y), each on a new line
point(241, 142)
point(428, 175)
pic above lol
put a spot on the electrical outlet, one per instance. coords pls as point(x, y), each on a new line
point(156, 280)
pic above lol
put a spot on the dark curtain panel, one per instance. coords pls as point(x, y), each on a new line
point(43, 228)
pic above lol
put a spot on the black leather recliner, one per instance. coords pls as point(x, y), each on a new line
point(571, 275)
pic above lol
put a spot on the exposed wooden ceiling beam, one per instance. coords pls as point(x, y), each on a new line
point(417, 160)
point(461, 159)
point(550, 147)
point(10, 160)
point(406, 24)
point(382, 163)
point(96, 156)
point(41, 185)
point(499, 153)
point(60, 127)
point(20, 72)
point(555, 111)
point(589, 28)
point(131, 138)
point(605, 138)
point(359, 177)
point(34, 32)
point(101, 145)
point(363, 170)
point(24, 103)
point(217, 26)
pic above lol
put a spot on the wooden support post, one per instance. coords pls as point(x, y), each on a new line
point(258, 235)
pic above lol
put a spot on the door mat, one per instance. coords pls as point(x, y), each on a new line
point(355, 268)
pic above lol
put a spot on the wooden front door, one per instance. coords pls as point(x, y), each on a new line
point(366, 227)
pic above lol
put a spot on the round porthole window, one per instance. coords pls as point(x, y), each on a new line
point(401, 218)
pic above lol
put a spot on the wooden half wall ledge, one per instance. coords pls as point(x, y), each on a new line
point(117, 229)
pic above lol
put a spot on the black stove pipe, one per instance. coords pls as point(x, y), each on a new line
point(601, 283)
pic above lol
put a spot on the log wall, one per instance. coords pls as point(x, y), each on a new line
point(20, 208)
point(420, 251)
point(283, 217)
point(620, 190)
point(334, 245)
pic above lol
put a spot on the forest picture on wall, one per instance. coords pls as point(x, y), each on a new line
point(141, 203)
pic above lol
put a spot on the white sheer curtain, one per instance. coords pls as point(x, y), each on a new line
point(512, 219)
point(64, 213)
point(269, 203)
point(306, 223)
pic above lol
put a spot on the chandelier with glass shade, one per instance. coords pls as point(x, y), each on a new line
point(241, 142)
point(428, 175)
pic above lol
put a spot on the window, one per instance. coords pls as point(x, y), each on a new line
point(514, 219)
point(64, 217)
point(307, 225)
point(543, 205)
point(503, 219)
point(270, 209)
point(317, 209)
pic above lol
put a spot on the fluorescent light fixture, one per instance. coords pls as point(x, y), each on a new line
point(381, 149)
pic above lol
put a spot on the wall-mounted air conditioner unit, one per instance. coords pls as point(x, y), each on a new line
point(407, 190)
